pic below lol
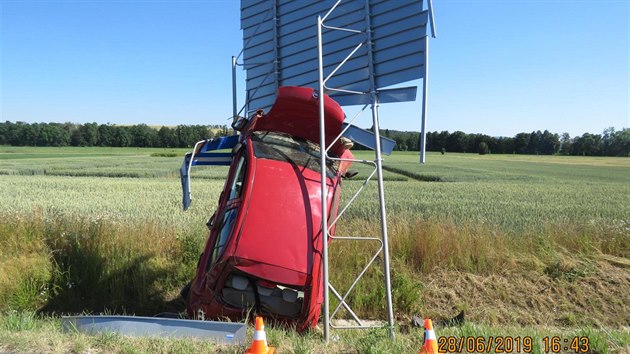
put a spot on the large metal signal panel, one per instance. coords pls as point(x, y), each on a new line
point(280, 47)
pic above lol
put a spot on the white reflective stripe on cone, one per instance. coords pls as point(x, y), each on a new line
point(430, 335)
point(260, 335)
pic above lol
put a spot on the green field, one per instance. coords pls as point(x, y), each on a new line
point(516, 241)
point(511, 191)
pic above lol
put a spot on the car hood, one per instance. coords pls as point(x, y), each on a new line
point(279, 238)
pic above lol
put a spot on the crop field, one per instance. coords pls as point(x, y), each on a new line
point(525, 245)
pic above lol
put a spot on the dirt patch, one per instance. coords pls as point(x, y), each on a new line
point(601, 297)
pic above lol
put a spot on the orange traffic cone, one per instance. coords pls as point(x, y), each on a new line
point(259, 345)
point(430, 342)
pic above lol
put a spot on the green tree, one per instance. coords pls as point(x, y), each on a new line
point(27, 134)
point(167, 137)
point(89, 133)
point(534, 144)
point(521, 142)
point(456, 142)
point(52, 134)
point(504, 145)
point(185, 136)
point(201, 132)
point(412, 141)
point(483, 148)
point(620, 145)
point(4, 132)
point(143, 136)
point(566, 144)
point(106, 135)
point(122, 137)
point(586, 145)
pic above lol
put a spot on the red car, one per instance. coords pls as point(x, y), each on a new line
point(264, 249)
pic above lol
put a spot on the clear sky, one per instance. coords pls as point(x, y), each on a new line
point(498, 67)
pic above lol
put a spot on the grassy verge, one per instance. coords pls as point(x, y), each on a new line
point(74, 265)
point(515, 241)
point(560, 276)
point(26, 332)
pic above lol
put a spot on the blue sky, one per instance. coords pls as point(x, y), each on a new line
point(498, 67)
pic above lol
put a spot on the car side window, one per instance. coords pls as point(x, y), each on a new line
point(239, 179)
point(226, 222)
point(225, 230)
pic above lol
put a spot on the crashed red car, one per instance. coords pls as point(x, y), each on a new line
point(264, 249)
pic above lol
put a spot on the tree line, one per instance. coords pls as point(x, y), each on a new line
point(610, 143)
point(93, 134)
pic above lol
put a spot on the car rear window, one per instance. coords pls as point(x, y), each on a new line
point(287, 148)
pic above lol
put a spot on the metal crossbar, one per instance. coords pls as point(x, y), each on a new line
point(354, 197)
point(365, 268)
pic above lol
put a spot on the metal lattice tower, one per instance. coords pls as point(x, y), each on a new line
point(353, 50)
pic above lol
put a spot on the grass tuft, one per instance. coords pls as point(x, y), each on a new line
point(92, 265)
point(166, 154)
point(19, 321)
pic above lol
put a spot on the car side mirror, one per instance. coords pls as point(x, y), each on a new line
point(238, 123)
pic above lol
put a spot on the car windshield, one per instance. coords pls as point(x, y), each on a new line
point(282, 147)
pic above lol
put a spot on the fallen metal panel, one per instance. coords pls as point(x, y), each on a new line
point(221, 332)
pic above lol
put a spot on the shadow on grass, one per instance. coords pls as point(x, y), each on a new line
point(85, 283)
point(416, 176)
